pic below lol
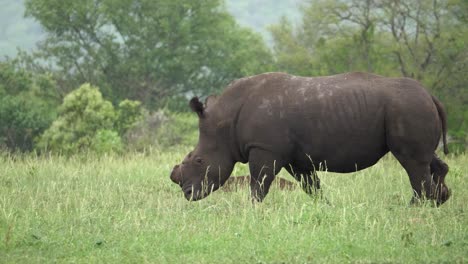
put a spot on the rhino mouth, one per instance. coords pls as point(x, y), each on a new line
point(192, 196)
point(192, 193)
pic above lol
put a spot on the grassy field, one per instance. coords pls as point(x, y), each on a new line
point(126, 210)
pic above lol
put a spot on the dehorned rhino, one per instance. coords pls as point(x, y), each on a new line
point(341, 123)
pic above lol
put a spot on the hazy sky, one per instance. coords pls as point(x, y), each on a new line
point(15, 30)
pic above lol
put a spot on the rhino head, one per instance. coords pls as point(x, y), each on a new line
point(210, 164)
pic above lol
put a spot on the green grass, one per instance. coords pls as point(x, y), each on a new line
point(126, 210)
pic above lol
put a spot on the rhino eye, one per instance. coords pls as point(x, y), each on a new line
point(198, 160)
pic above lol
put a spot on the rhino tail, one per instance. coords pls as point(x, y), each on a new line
point(443, 119)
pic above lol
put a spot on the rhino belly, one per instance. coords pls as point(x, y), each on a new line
point(339, 156)
point(339, 148)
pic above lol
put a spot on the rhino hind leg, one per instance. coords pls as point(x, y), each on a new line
point(310, 182)
point(427, 179)
point(439, 170)
point(420, 178)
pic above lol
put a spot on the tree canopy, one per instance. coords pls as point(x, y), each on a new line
point(146, 50)
point(27, 106)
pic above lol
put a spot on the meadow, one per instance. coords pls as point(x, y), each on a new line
point(125, 209)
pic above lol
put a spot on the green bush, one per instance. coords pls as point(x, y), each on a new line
point(144, 133)
point(88, 122)
point(128, 114)
point(457, 114)
point(21, 120)
point(82, 114)
point(180, 129)
point(107, 141)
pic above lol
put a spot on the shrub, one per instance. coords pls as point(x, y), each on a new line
point(163, 129)
point(144, 133)
point(107, 141)
point(87, 121)
point(128, 114)
point(21, 120)
point(180, 129)
point(83, 113)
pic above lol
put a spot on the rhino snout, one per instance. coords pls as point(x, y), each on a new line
point(176, 175)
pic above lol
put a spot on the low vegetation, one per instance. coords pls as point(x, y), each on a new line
point(92, 121)
point(108, 209)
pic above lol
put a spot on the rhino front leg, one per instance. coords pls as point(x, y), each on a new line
point(263, 169)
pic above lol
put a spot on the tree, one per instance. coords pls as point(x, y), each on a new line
point(292, 54)
point(27, 106)
point(147, 50)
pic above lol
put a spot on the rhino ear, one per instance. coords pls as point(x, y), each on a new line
point(197, 106)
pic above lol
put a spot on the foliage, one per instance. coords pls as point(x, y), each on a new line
point(87, 122)
point(425, 40)
point(128, 113)
point(106, 141)
point(146, 50)
point(181, 129)
point(26, 108)
point(108, 209)
point(143, 134)
point(163, 129)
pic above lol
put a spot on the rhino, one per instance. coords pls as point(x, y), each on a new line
point(341, 123)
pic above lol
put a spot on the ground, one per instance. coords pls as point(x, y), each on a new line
point(89, 209)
